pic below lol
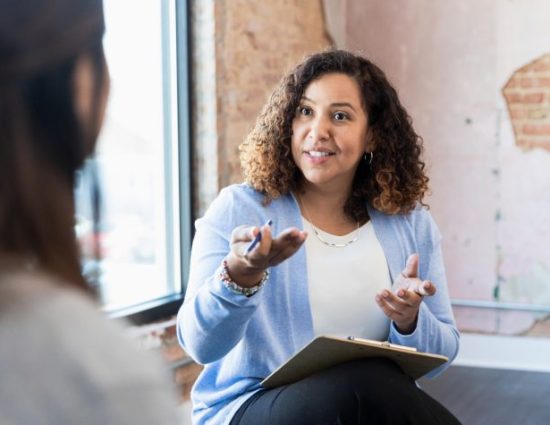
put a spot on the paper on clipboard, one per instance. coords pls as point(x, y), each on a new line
point(326, 351)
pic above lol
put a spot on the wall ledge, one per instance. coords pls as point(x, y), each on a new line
point(504, 352)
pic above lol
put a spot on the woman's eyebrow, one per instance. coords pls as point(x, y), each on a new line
point(337, 104)
point(341, 104)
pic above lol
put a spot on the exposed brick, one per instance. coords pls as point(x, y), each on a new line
point(526, 82)
point(540, 329)
point(539, 113)
point(534, 143)
point(161, 337)
point(252, 53)
point(534, 82)
point(527, 94)
point(513, 83)
point(524, 98)
point(533, 129)
point(512, 97)
point(533, 98)
point(173, 353)
point(185, 377)
point(541, 67)
point(518, 114)
point(542, 82)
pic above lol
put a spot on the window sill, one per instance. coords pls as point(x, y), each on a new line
point(150, 311)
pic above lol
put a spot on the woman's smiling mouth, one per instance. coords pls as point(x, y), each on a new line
point(317, 157)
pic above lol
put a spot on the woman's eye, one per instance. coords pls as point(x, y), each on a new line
point(340, 116)
point(304, 110)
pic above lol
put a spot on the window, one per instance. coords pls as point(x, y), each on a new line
point(142, 159)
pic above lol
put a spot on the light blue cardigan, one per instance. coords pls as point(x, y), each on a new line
point(242, 340)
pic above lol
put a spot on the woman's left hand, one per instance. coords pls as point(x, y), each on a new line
point(401, 305)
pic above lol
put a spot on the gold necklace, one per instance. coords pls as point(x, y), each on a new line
point(324, 241)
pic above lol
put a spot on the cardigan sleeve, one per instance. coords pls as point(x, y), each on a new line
point(213, 319)
point(435, 331)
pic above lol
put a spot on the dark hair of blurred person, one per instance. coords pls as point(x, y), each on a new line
point(53, 91)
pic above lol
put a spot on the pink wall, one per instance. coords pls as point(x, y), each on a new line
point(491, 198)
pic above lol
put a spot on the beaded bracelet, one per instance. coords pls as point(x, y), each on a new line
point(236, 288)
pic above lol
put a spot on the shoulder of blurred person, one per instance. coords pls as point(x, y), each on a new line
point(61, 362)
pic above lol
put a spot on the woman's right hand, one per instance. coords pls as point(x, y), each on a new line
point(247, 269)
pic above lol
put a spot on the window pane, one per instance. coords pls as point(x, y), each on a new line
point(136, 159)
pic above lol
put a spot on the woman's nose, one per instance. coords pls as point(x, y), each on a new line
point(320, 129)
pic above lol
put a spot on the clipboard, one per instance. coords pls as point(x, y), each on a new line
point(326, 351)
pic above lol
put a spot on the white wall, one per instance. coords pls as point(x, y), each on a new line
point(491, 199)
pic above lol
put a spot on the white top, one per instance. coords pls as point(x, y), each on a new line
point(344, 281)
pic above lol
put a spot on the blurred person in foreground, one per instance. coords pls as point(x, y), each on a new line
point(336, 165)
point(61, 361)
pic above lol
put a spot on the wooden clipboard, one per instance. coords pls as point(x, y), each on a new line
point(326, 351)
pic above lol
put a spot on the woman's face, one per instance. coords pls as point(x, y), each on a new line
point(329, 132)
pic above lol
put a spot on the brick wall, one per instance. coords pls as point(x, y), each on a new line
point(255, 43)
point(527, 95)
point(161, 337)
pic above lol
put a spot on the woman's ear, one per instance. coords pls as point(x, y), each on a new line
point(370, 144)
point(90, 101)
point(83, 89)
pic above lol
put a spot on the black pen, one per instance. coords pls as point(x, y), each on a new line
point(257, 239)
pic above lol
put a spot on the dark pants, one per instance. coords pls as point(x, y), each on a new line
point(372, 391)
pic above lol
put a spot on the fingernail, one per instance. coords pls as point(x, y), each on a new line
point(385, 294)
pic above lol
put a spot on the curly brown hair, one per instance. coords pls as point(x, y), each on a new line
point(393, 183)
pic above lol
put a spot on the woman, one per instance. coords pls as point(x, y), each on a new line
point(61, 362)
point(333, 152)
